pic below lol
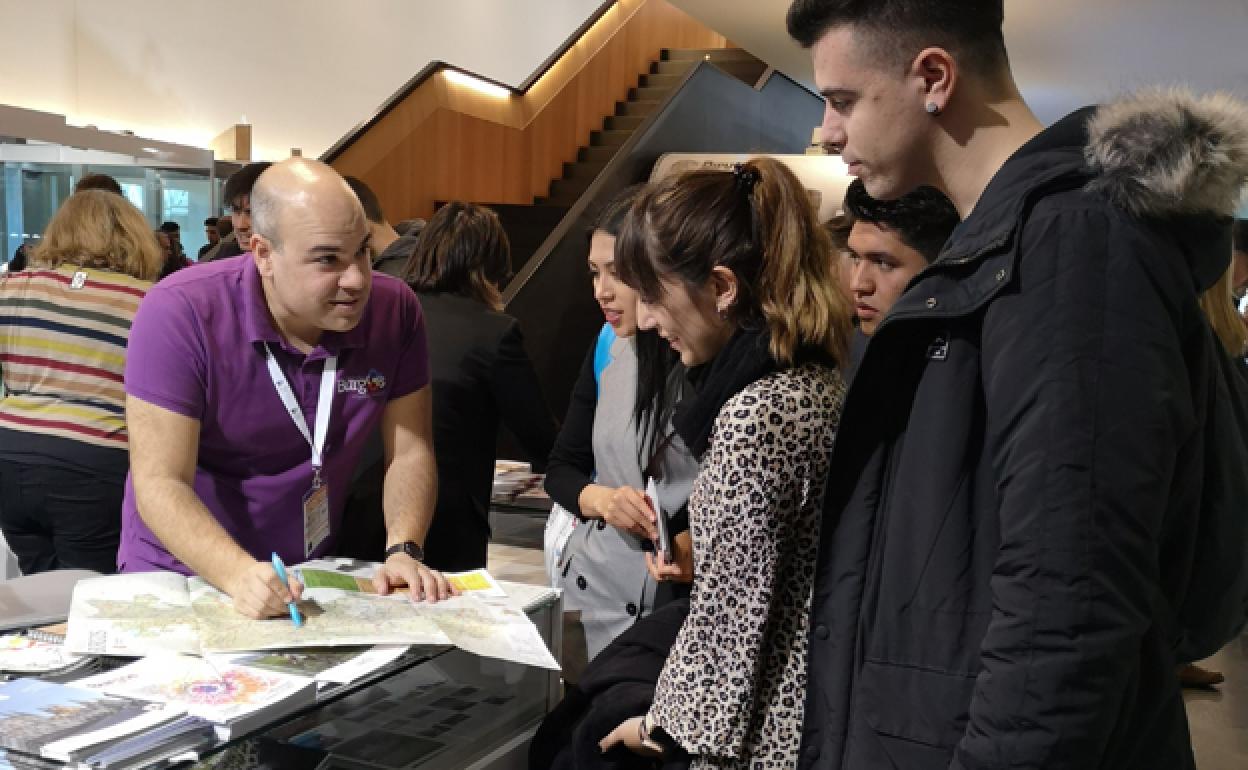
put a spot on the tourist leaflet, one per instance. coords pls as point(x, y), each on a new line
point(235, 698)
point(30, 654)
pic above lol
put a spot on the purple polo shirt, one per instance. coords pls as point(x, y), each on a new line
point(197, 348)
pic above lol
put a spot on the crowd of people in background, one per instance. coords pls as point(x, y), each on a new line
point(947, 481)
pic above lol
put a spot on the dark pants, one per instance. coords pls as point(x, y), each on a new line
point(56, 518)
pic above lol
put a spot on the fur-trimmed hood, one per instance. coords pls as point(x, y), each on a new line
point(1167, 153)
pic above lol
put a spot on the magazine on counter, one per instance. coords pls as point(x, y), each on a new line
point(57, 721)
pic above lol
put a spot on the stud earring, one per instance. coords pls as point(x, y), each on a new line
point(933, 108)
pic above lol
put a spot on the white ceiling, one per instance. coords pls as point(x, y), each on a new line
point(1065, 53)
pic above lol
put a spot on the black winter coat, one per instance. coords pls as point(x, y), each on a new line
point(618, 685)
point(1021, 459)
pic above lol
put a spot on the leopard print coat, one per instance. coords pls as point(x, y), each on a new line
point(732, 690)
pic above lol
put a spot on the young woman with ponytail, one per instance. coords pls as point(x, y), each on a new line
point(733, 269)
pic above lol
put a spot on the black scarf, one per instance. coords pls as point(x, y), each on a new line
point(744, 360)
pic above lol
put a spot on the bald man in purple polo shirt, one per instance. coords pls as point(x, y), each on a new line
point(252, 385)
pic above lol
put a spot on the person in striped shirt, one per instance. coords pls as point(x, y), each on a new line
point(64, 323)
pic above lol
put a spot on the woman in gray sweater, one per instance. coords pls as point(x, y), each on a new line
point(615, 437)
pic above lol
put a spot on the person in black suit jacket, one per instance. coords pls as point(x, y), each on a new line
point(481, 376)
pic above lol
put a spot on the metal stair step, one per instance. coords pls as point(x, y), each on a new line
point(583, 170)
point(635, 108)
point(648, 94)
point(654, 80)
point(623, 122)
point(674, 67)
point(609, 138)
point(567, 189)
point(599, 154)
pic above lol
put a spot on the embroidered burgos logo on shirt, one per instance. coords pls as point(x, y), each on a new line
point(370, 385)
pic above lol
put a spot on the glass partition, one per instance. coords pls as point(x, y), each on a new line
point(187, 200)
point(30, 194)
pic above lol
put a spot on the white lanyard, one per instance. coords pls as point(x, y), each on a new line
point(323, 405)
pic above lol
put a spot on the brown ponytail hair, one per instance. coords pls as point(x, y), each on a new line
point(756, 221)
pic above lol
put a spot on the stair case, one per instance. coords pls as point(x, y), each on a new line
point(527, 225)
point(652, 88)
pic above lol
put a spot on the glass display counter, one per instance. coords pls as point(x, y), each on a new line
point(433, 708)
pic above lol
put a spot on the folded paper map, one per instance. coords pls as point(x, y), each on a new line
point(140, 613)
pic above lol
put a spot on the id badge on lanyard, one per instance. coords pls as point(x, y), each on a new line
point(316, 499)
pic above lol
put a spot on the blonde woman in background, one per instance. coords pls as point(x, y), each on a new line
point(64, 323)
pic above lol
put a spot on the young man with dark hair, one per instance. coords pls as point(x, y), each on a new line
point(890, 242)
point(390, 250)
point(212, 234)
point(1034, 444)
point(174, 231)
point(98, 182)
point(368, 199)
point(237, 197)
point(887, 244)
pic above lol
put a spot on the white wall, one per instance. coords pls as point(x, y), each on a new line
point(303, 72)
point(1064, 53)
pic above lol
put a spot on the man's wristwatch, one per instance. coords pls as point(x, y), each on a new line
point(409, 547)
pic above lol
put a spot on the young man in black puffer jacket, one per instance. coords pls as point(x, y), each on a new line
point(1034, 510)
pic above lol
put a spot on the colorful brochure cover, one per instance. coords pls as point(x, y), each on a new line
point(231, 696)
